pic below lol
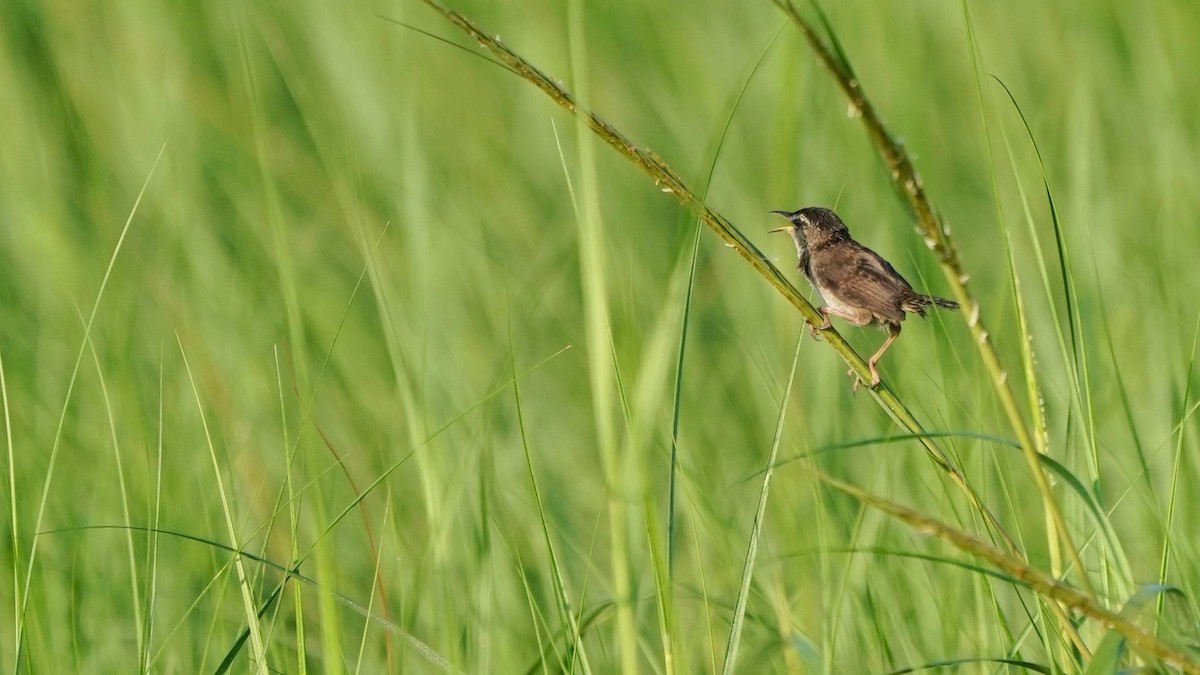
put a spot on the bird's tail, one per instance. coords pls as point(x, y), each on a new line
point(919, 303)
point(942, 302)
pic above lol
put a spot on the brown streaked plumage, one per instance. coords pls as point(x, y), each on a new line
point(855, 282)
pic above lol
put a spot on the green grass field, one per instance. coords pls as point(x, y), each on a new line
point(295, 281)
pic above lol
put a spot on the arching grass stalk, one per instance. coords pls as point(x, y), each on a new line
point(937, 237)
point(669, 182)
point(1037, 581)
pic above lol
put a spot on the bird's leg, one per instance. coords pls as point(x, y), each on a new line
point(893, 333)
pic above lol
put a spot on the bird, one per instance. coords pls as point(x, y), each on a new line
point(854, 282)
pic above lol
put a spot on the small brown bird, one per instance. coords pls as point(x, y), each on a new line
point(855, 282)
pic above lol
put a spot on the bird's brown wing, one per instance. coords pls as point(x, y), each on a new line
point(884, 267)
point(861, 278)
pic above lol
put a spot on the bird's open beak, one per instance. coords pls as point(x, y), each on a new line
point(785, 214)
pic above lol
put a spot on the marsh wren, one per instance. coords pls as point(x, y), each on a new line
point(855, 282)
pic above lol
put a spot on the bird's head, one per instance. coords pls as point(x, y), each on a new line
point(812, 225)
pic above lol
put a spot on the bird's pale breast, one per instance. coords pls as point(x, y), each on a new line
point(864, 316)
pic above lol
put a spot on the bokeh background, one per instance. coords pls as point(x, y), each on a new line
point(346, 240)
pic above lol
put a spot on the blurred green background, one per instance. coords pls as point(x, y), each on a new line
point(357, 234)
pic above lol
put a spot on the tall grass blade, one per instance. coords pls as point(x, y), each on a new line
point(739, 610)
point(717, 143)
point(1055, 533)
point(1126, 401)
point(602, 365)
point(258, 649)
point(1177, 468)
point(953, 663)
point(155, 522)
point(566, 617)
point(1076, 359)
point(123, 490)
point(62, 418)
point(14, 522)
point(331, 647)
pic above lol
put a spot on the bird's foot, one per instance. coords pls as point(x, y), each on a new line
point(875, 379)
point(826, 325)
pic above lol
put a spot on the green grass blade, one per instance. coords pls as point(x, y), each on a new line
point(739, 612)
point(566, 616)
point(155, 522)
point(1177, 468)
point(14, 522)
point(952, 663)
point(601, 362)
point(717, 143)
point(123, 490)
point(62, 418)
point(258, 653)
